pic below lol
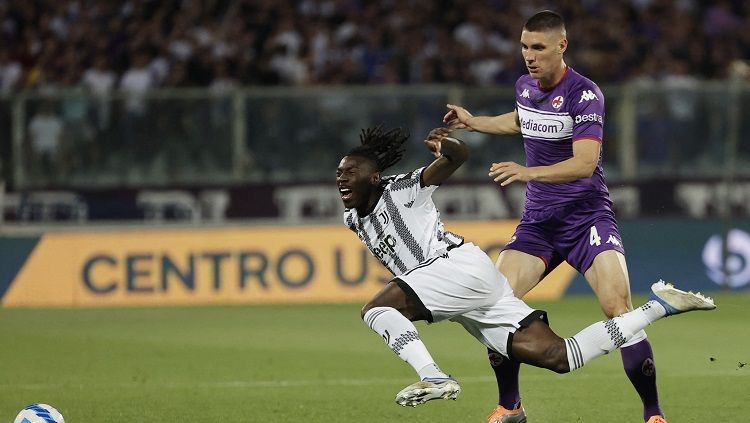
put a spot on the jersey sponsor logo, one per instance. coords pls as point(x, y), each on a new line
point(547, 126)
point(587, 95)
point(525, 93)
point(386, 246)
point(558, 101)
point(591, 117)
point(544, 125)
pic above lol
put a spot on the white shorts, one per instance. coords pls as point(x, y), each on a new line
point(464, 286)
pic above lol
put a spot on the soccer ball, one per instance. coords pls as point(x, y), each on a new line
point(39, 413)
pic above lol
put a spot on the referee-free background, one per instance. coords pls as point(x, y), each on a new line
point(171, 245)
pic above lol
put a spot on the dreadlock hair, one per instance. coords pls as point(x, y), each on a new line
point(384, 148)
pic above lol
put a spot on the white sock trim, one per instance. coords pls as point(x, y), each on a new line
point(575, 358)
point(431, 371)
point(653, 310)
point(372, 314)
point(638, 337)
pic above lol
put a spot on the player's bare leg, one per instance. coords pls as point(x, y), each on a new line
point(523, 272)
point(608, 277)
point(390, 313)
point(539, 346)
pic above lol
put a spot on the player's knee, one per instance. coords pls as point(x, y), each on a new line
point(374, 303)
point(378, 301)
point(614, 304)
point(367, 307)
point(616, 308)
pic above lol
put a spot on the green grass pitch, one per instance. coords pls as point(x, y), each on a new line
point(320, 363)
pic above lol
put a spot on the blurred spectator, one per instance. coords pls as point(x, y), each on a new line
point(136, 82)
point(721, 19)
point(99, 80)
point(10, 73)
point(682, 103)
point(45, 136)
point(223, 81)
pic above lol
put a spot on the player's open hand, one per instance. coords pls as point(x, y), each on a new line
point(457, 117)
point(508, 172)
point(434, 140)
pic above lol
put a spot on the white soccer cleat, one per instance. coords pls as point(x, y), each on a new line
point(428, 389)
point(676, 301)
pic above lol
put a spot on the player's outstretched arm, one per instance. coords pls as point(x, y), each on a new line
point(459, 118)
point(450, 154)
point(581, 165)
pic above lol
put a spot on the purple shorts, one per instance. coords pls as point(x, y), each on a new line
point(575, 233)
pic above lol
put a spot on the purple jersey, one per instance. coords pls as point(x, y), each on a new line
point(551, 121)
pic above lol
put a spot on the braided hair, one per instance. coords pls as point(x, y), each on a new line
point(384, 148)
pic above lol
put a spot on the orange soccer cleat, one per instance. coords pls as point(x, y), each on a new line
point(502, 415)
point(656, 419)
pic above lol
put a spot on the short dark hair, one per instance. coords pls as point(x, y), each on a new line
point(383, 148)
point(543, 21)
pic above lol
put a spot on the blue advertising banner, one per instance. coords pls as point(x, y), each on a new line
point(687, 252)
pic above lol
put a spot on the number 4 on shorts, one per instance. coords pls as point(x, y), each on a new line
point(594, 238)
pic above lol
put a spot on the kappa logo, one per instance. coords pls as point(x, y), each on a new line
point(614, 241)
point(587, 95)
point(525, 93)
point(557, 102)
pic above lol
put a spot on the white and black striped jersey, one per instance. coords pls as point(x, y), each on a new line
point(404, 229)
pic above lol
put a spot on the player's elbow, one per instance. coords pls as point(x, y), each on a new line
point(586, 168)
point(463, 153)
point(588, 172)
point(455, 149)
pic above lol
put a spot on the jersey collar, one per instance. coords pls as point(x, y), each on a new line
point(546, 90)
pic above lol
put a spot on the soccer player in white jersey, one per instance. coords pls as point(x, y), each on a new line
point(567, 214)
point(438, 276)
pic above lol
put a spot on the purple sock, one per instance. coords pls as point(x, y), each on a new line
point(506, 372)
point(638, 360)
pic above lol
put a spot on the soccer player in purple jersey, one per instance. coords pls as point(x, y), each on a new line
point(567, 213)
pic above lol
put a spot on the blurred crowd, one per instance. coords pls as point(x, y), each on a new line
point(136, 45)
